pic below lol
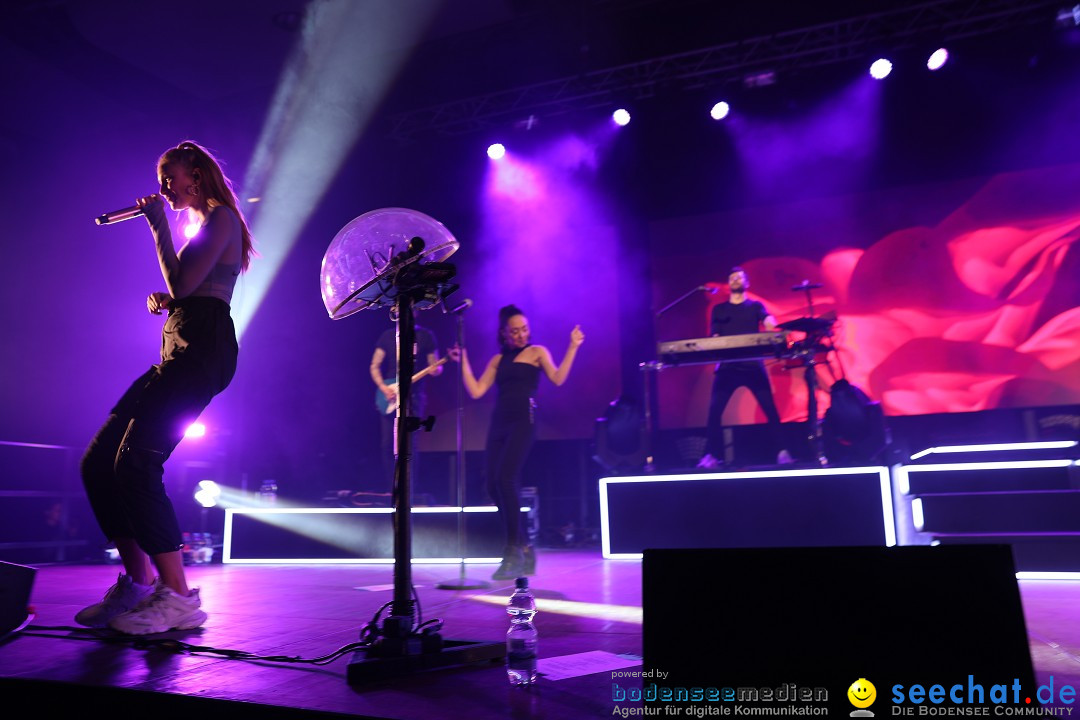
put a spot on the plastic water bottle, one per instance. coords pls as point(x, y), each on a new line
point(268, 493)
point(206, 550)
point(521, 638)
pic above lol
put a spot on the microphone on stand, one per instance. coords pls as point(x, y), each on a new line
point(465, 305)
point(711, 287)
point(118, 215)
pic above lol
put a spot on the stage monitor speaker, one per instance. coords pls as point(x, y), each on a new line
point(15, 584)
point(799, 620)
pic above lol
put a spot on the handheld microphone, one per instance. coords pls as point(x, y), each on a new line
point(465, 305)
point(118, 215)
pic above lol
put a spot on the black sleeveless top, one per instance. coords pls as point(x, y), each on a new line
point(516, 383)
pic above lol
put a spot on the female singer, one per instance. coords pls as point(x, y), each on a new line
point(515, 371)
point(123, 466)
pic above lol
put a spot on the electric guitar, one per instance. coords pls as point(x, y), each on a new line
point(388, 407)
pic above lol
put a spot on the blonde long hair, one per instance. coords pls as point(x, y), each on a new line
point(217, 188)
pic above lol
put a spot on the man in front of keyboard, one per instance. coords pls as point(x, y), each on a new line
point(740, 315)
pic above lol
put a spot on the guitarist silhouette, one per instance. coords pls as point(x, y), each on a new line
point(387, 401)
point(384, 375)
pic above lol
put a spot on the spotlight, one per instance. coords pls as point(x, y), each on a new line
point(621, 117)
point(207, 493)
point(195, 430)
point(937, 59)
point(880, 69)
point(720, 110)
point(190, 230)
point(496, 151)
point(1068, 17)
point(760, 79)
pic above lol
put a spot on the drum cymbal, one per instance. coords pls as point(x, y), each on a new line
point(808, 324)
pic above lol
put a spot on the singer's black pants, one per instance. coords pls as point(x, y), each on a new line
point(728, 378)
point(122, 469)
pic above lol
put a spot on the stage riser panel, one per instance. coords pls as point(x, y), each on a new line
point(1013, 512)
point(1051, 554)
point(988, 480)
point(766, 509)
point(353, 536)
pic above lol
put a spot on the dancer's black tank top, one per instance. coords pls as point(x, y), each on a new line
point(516, 383)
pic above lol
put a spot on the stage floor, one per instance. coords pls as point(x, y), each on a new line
point(310, 611)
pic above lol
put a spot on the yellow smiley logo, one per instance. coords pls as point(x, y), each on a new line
point(862, 693)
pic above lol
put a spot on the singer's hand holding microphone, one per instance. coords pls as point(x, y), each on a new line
point(150, 205)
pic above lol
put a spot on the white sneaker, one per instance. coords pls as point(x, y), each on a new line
point(125, 595)
point(164, 610)
point(708, 462)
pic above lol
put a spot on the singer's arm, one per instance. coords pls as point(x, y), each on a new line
point(185, 270)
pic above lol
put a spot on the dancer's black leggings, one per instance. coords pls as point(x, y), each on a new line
point(122, 469)
point(508, 446)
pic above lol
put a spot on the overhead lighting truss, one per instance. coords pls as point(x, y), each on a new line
point(814, 46)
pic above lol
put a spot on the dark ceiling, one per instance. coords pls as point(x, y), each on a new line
point(211, 50)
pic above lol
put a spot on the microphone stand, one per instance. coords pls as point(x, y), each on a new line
point(813, 421)
point(462, 583)
point(402, 644)
point(675, 302)
point(648, 371)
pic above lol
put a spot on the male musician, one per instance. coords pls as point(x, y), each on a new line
point(740, 315)
point(384, 373)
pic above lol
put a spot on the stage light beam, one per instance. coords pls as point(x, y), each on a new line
point(195, 430)
point(496, 151)
point(621, 117)
point(345, 58)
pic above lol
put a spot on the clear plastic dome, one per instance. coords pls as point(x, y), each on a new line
point(359, 267)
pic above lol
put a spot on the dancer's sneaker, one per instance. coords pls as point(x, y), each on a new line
point(125, 595)
point(164, 610)
point(513, 564)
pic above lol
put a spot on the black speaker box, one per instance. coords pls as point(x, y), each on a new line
point(15, 584)
point(791, 619)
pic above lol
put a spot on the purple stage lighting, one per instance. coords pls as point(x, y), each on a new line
point(937, 59)
point(195, 430)
point(207, 493)
point(496, 151)
point(720, 110)
point(621, 117)
point(880, 69)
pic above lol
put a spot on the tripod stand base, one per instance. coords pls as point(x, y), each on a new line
point(365, 667)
